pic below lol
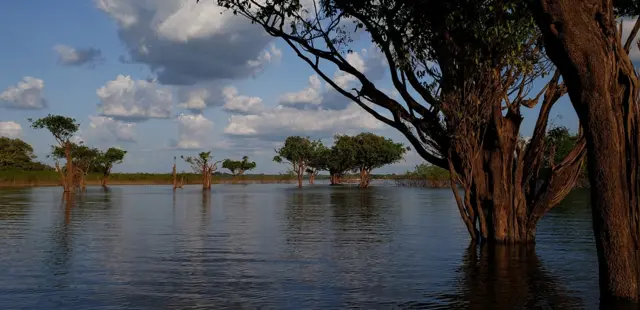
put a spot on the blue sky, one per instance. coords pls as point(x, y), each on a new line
point(162, 78)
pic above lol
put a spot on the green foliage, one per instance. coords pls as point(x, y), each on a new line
point(61, 127)
point(297, 151)
point(201, 162)
point(84, 157)
point(16, 154)
point(106, 160)
point(238, 167)
point(428, 172)
point(373, 151)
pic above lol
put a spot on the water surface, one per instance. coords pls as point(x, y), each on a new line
point(279, 247)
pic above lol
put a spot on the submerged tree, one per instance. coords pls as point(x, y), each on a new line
point(317, 162)
point(298, 152)
point(463, 70)
point(62, 128)
point(106, 160)
point(373, 151)
point(84, 158)
point(584, 41)
point(204, 164)
point(238, 167)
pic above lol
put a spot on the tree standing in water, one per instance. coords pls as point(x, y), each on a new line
point(203, 163)
point(106, 160)
point(298, 152)
point(238, 167)
point(62, 128)
point(463, 70)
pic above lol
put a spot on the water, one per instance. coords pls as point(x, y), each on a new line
point(278, 247)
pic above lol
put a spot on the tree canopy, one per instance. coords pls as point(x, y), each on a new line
point(238, 167)
point(16, 154)
point(298, 152)
point(61, 127)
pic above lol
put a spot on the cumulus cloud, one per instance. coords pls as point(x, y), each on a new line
point(107, 128)
point(318, 96)
point(193, 132)
point(196, 99)
point(132, 100)
point(285, 121)
point(27, 94)
point(241, 104)
point(10, 129)
point(185, 42)
point(70, 56)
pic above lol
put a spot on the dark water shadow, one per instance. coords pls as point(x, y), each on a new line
point(502, 277)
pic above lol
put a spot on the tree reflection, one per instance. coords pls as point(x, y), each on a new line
point(507, 277)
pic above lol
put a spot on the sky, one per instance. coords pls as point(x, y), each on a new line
point(164, 78)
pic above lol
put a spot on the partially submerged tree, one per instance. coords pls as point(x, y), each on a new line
point(341, 158)
point(83, 157)
point(463, 70)
point(106, 160)
point(372, 152)
point(16, 154)
point(298, 152)
point(62, 128)
point(584, 41)
point(203, 164)
point(317, 162)
point(238, 167)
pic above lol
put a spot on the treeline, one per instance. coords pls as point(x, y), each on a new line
point(361, 153)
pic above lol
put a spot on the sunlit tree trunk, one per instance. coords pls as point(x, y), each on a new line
point(582, 39)
point(68, 179)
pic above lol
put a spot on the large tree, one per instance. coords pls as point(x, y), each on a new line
point(298, 152)
point(62, 128)
point(204, 164)
point(584, 40)
point(16, 154)
point(463, 70)
point(238, 167)
point(317, 162)
point(106, 160)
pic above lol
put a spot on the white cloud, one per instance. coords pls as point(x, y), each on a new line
point(10, 129)
point(241, 104)
point(107, 128)
point(318, 96)
point(195, 99)
point(134, 100)
point(27, 94)
point(284, 121)
point(69, 56)
point(193, 131)
point(311, 95)
point(185, 42)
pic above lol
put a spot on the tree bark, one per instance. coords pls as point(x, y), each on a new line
point(105, 179)
point(364, 178)
point(582, 39)
point(68, 180)
point(312, 178)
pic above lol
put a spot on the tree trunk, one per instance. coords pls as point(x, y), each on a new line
point(300, 177)
point(603, 88)
point(68, 180)
point(364, 178)
point(174, 176)
point(105, 179)
point(312, 178)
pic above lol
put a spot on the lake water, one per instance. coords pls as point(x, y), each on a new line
point(274, 246)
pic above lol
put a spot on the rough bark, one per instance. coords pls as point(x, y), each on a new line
point(105, 178)
point(365, 177)
point(174, 176)
point(582, 39)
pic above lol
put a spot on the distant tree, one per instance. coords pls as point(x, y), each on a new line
point(298, 152)
point(203, 163)
point(83, 157)
point(317, 162)
point(16, 154)
point(62, 128)
point(106, 160)
point(373, 151)
point(238, 167)
point(341, 158)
